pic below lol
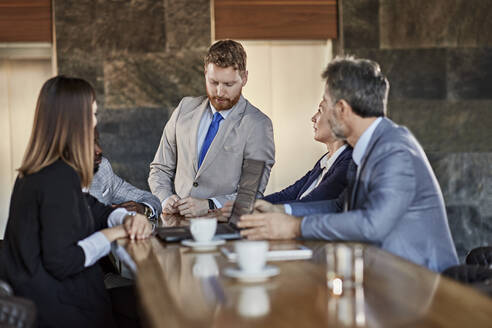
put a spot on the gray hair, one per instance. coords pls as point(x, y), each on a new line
point(360, 83)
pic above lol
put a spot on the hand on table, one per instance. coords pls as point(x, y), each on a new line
point(191, 207)
point(262, 206)
point(174, 220)
point(137, 226)
point(170, 206)
point(226, 210)
point(114, 233)
point(269, 226)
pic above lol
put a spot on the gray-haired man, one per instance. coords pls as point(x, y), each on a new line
point(394, 202)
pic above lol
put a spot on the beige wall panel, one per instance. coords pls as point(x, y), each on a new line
point(285, 83)
point(5, 158)
point(24, 80)
point(27, 78)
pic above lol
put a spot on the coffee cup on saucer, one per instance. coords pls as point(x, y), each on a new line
point(251, 255)
point(203, 229)
point(251, 260)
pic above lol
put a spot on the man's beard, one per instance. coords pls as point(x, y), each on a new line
point(97, 162)
point(336, 128)
point(224, 105)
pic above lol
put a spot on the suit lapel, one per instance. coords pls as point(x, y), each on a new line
point(191, 122)
point(314, 174)
point(224, 129)
point(376, 136)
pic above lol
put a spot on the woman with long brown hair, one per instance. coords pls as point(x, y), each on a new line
point(56, 232)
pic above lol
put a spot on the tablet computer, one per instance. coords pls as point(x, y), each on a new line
point(276, 252)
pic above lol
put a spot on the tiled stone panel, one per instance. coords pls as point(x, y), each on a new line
point(435, 23)
point(130, 137)
point(466, 183)
point(470, 73)
point(413, 74)
point(142, 57)
point(157, 79)
point(360, 23)
point(187, 24)
point(446, 126)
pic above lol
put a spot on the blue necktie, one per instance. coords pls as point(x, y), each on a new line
point(212, 131)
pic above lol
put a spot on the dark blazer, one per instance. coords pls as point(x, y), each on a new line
point(333, 183)
point(49, 214)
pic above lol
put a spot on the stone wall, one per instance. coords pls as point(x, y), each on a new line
point(437, 55)
point(142, 57)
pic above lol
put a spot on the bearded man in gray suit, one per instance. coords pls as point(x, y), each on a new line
point(393, 199)
point(198, 163)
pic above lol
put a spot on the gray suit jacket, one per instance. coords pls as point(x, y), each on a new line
point(245, 133)
point(397, 203)
point(109, 189)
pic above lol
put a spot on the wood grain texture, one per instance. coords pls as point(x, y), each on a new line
point(181, 288)
point(25, 21)
point(275, 19)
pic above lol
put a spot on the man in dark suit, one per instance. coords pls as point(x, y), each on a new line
point(393, 199)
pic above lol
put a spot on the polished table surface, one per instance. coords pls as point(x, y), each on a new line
point(178, 287)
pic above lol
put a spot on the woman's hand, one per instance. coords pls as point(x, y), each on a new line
point(115, 233)
point(137, 226)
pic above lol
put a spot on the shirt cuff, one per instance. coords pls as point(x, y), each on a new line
point(216, 202)
point(149, 206)
point(288, 209)
point(117, 216)
point(95, 246)
point(303, 221)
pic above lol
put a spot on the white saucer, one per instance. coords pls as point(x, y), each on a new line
point(203, 245)
point(267, 272)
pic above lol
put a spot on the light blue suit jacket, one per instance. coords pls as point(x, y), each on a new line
point(397, 203)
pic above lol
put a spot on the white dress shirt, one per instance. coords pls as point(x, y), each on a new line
point(205, 121)
point(325, 163)
point(97, 245)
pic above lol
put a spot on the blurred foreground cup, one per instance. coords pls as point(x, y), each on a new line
point(344, 267)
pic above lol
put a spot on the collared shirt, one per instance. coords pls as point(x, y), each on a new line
point(205, 123)
point(325, 163)
point(361, 145)
point(202, 133)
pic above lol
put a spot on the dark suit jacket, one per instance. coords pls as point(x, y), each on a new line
point(49, 214)
point(333, 183)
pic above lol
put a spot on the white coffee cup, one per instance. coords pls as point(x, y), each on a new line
point(251, 255)
point(203, 229)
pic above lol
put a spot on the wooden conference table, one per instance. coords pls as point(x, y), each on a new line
point(179, 287)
